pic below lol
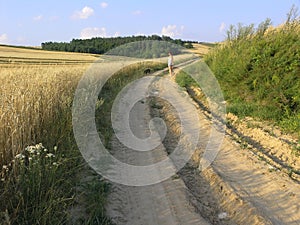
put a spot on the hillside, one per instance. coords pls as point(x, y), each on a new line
point(99, 45)
point(202, 49)
point(259, 72)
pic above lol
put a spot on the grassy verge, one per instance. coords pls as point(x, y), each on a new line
point(258, 70)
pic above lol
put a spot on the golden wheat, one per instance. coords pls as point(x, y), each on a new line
point(21, 55)
point(34, 101)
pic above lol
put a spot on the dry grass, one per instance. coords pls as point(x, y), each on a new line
point(35, 107)
point(200, 49)
point(34, 97)
point(21, 55)
point(32, 100)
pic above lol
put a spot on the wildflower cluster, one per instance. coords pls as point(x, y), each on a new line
point(32, 156)
point(37, 153)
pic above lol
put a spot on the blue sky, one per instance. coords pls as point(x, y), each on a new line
point(32, 22)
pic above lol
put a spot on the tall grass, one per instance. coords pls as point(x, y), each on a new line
point(38, 181)
point(259, 71)
point(35, 106)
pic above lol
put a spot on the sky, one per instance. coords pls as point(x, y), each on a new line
point(32, 22)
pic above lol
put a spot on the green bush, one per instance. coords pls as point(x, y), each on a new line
point(259, 71)
point(184, 80)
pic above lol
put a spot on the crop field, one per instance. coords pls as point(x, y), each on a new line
point(13, 55)
point(40, 164)
point(34, 97)
point(37, 150)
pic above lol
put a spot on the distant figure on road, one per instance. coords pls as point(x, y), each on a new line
point(170, 63)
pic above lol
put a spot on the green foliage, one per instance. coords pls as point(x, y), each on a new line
point(102, 45)
point(259, 71)
point(146, 49)
point(96, 192)
point(41, 188)
point(184, 80)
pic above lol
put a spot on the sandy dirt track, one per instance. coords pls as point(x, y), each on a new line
point(162, 203)
point(238, 185)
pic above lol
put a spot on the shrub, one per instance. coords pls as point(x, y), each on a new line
point(259, 71)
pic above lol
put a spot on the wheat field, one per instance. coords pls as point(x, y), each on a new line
point(35, 100)
point(39, 159)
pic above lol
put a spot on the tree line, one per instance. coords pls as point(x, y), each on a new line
point(100, 45)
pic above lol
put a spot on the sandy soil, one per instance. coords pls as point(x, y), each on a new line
point(238, 188)
point(268, 142)
point(166, 202)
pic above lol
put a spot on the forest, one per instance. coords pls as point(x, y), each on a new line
point(100, 45)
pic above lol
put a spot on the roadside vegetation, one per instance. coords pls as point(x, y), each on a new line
point(258, 69)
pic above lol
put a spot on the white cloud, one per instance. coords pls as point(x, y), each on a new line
point(38, 18)
point(91, 32)
point(117, 34)
point(172, 31)
point(3, 38)
point(222, 27)
point(104, 5)
point(85, 13)
point(137, 12)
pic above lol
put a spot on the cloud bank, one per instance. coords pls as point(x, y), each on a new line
point(85, 13)
point(172, 31)
point(91, 32)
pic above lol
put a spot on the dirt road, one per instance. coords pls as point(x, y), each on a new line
point(161, 203)
point(238, 188)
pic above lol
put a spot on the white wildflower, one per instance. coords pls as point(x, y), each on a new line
point(54, 164)
point(50, 155)
point(20, 156)
point(30, 158)
point(39, 146)
point(31, 149)
point(5, 167)
point(55, 148)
